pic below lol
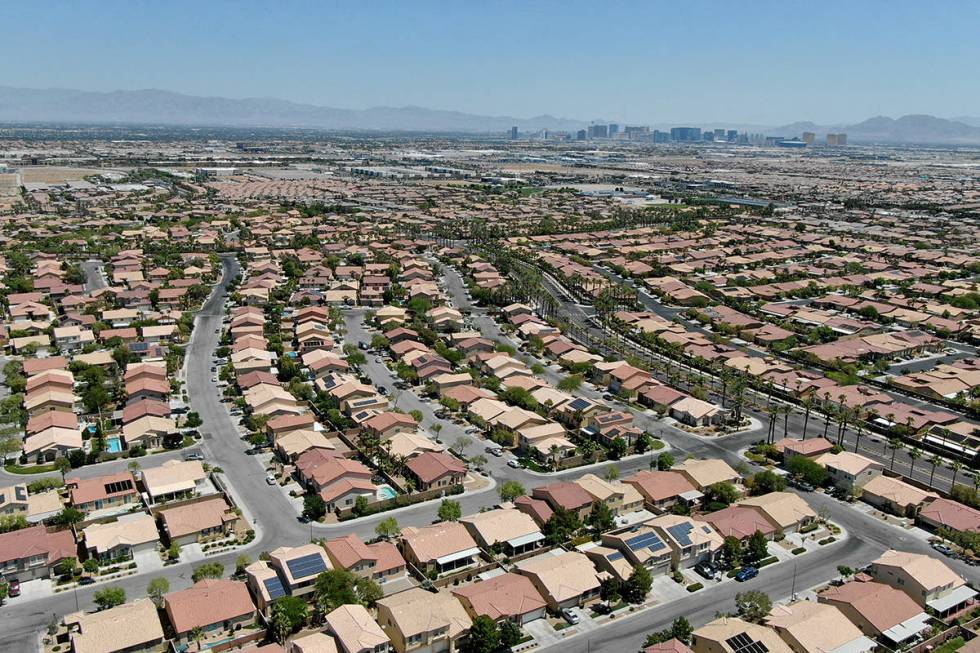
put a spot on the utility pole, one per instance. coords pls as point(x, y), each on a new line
point(793, 592)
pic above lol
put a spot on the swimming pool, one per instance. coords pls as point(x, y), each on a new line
point(113, 445)
point(386, 492)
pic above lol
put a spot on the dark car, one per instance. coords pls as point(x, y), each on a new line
point(86, 580)
point(705, 569)
point(746, 573)
point(13, 588)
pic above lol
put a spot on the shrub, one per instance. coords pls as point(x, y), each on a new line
point(809, 528)
point(766, 562)
point(798, 550)
point(827, 540)
point(694, 587)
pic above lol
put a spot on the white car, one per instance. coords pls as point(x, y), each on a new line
point(270, 479)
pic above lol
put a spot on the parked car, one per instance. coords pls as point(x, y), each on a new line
point(86, 580)
point(194, 455)
point(569, 616)
point(746, 573)
point(270, 479)
point(498, 452)
point(382, 390)
point(942, 548)
point(515, 464)
point(602, 608)
point(13, 588)
point(705, 569)
point(362, 345)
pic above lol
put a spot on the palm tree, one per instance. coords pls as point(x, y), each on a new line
point(914, 454)
point(935, 461)
point(197, 634)
point(826, 414)
point(807, 405)
point(956, 466)
point(894, 444)
point(858, 416)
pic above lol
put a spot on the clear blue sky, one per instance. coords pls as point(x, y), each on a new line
point(753, 61)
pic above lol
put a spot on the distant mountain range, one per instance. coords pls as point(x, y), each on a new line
point(156, 107)
point(167, 108)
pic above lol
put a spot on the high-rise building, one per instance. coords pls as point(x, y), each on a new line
point(685, 134)
point(598, 131)
point(513, 132)
point(842, 139)
point(660, 137)
point(613, 129)
point(636, 132)
point(581, 135)
point(809, 138)
point(832, 139)
point(732, 135)
point(720, 135)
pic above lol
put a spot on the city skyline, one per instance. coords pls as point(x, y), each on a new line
point(633, 63)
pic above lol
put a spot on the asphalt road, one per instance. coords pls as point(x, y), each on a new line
point(94, 275)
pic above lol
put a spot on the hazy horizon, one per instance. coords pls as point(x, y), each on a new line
point(765, 63)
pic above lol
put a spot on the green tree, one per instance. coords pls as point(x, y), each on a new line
point(806, 469)
point(109, 597)
point(767, 481)
point(510, 634)
point(361, 506)
point(638, 585)
point(484, 636)
point(561, 526)
point(611, 589)
point(91, 565)
point(289, 614)
point(156, 589)
point(753, 605)
point(241, 562)
point(600, 518)
point(757, 547)
point(570, 383)
point(510, 490)
point(387, 528)
point(731, 552)
point(67, 567)
point(681, 629)
point(721, 492)
point(208, 570)
point(68, 516)
point(665, 461)
point(173, 551)
point(450, 510)
point(618, 448)
point(338, 587)
point(314, 507)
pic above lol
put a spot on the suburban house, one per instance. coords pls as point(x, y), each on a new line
point(356, 631)
point(211, 605)
point(298, 567)
point(508, 596)
point(432, 470)
point(691, 541)
point(895, 496)
point(734, 635)
point(442, 547)
point(927, 580)
point(101, 492)
point(121, 539)
point(562, 494)
point(33, 552)
point(849, 471)
point(640, 545)
point(661, 490)
point(621, 498)
point(951, 515)
point(564, 580)
point(878, 610)
point(174, 479)
point(508, 529)
point(740, 522)
point(785, 510)
point(131, 627)
point(702, 473)
point(380, 561)
point(812, 627)
point(418, 621)
point(196, 522)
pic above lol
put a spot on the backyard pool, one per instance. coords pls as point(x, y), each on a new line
point(113, 445)
point(386, 492)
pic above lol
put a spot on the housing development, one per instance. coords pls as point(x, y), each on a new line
point(613, 390)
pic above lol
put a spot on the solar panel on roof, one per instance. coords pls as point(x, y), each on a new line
point(681, 533)
point(306, 566)
point(615, 556)
point(646, 541)
point(274, 587)
point(742, 643)
point(579, 404)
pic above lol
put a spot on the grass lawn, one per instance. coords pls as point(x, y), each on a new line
point(13, 468)
point(950, 646)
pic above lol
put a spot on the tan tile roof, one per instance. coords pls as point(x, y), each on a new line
point(208, 602)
